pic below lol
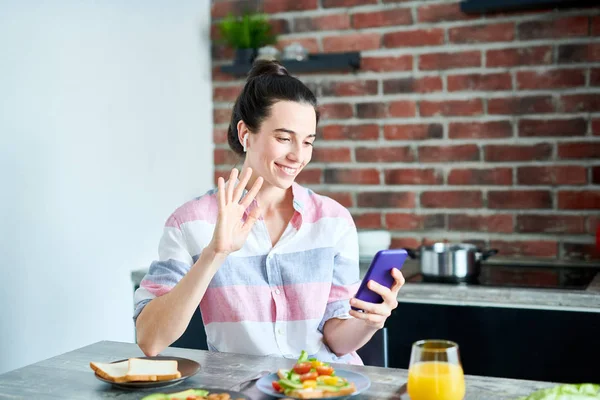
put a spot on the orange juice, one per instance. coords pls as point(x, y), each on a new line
point(436, 381)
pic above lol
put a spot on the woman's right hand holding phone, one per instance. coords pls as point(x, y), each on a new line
point(231, 231)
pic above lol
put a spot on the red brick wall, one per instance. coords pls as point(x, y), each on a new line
point(482, 129)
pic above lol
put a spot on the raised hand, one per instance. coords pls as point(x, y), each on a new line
point(231, 231)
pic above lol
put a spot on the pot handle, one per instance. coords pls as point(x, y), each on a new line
point(412, 253)
point(488, 253)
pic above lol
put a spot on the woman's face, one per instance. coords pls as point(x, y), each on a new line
point(284, 144)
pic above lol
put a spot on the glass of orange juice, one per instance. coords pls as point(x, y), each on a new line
point(435, 371)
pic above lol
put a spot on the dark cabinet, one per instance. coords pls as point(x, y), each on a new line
point(559, 346)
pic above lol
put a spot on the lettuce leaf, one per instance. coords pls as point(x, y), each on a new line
point(584, 391)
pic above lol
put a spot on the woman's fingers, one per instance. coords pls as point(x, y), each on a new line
point(399, 280)
point(252, 193)
point(244, 178)
point(231, 184)
point(221, 192)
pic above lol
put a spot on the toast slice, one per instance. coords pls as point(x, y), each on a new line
point(111, 372)
point(321, 394)
point(152, 370)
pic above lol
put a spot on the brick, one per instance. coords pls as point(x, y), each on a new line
point(386, 199)
point(309, 176)
point(555, 79)
point(352, 88)
point(519, 199)
point(390, 17)
point(412, 222)
point(580, 102)
point(277, 6)
point(552, 175)
point(504, 32)
point(352, 42)
point(550, 224)
point(595, 25)
point(441, 12)
point(579, 53)
point(416, 38)
point(499, 81)
point(552, 127)
point(404, 243)
point(558, 28)
point(221, 115)
point(593, 224)
point(579, 150)
point(596, 127)
point(322, 23)
point(442, 61)
point(480, 130)
point(510, 153)
point(541, 55)
point(413, 132)
point(486, 176)
point(403, 108)
point(521, 105)
point(220, 135)
point(526, 248)
point(595, 175)
point(464, 152)
point(220, 174)
point(218, 75)
point(222, 8)
point(368, 220)
point(371, 110)
point(336, 111)
point(229, 93)
point(387, 64)
point(346, 3)
point(451, 107)
point(452, 199)
point(426, 84)
point(350, 132)
point(384, 154)
point(310, 44)
point(368, 176)
point(225, 157)
point(595, 77)
point(501, 223)
point(414, 176)
point(580, 251)
point(579, 200)
point(330, 154)
point(280, 26)
point(221, 52)
point(345, 199)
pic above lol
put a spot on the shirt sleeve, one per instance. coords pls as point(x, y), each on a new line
point(174, 261)
point(345, 280)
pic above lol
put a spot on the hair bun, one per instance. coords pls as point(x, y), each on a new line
point(267, 67)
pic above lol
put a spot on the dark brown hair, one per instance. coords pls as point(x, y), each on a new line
point(268, 82)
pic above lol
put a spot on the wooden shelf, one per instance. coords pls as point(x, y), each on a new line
point(315, 63)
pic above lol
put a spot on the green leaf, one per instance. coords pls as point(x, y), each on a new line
point(248, 31)
point(585, 391)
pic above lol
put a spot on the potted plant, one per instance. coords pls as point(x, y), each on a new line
point(246, 34)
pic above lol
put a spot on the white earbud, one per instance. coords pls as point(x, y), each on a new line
point(245, 142)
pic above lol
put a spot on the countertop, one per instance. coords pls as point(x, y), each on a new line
point(69, 376)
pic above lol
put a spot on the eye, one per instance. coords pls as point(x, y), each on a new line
point(283, 139)
point(308, 143)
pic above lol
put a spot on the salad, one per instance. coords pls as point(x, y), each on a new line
point(310, 378)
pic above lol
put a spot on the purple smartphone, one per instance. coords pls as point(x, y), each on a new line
point(381, 272)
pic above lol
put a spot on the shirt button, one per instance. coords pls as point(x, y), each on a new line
point(277, 291)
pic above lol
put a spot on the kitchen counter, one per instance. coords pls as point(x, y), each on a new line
point(69, 376)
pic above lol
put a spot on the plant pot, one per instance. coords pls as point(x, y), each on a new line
point(245, 56)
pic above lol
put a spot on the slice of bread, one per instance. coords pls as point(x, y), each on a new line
point(320, 394)
point(111, 372)
point(152, 370)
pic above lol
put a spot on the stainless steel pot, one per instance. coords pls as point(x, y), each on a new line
point(447, 262)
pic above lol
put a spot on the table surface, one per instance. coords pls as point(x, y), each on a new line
point(69, 376)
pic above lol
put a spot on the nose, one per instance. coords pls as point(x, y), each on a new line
point(295, 153)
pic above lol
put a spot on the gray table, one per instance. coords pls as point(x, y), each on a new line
point(68, 376)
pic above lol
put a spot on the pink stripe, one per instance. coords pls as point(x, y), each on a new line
point(317, 207)
point(343, 292)
point(262, 304)
point(205, 208)
point(156, 290)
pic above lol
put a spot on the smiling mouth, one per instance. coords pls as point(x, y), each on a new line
point(289, 171)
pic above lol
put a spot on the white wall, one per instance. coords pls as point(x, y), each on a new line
point(105, 128)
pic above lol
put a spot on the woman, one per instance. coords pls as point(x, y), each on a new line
point(274, 268)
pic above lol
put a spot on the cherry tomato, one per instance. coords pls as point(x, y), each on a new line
point(276, 386)
point(302, 368)
point(324, 370)
point(309, 376)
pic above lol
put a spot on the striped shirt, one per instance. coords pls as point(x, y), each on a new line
point(264, 299)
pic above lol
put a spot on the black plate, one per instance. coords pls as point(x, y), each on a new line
point(185, 366)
